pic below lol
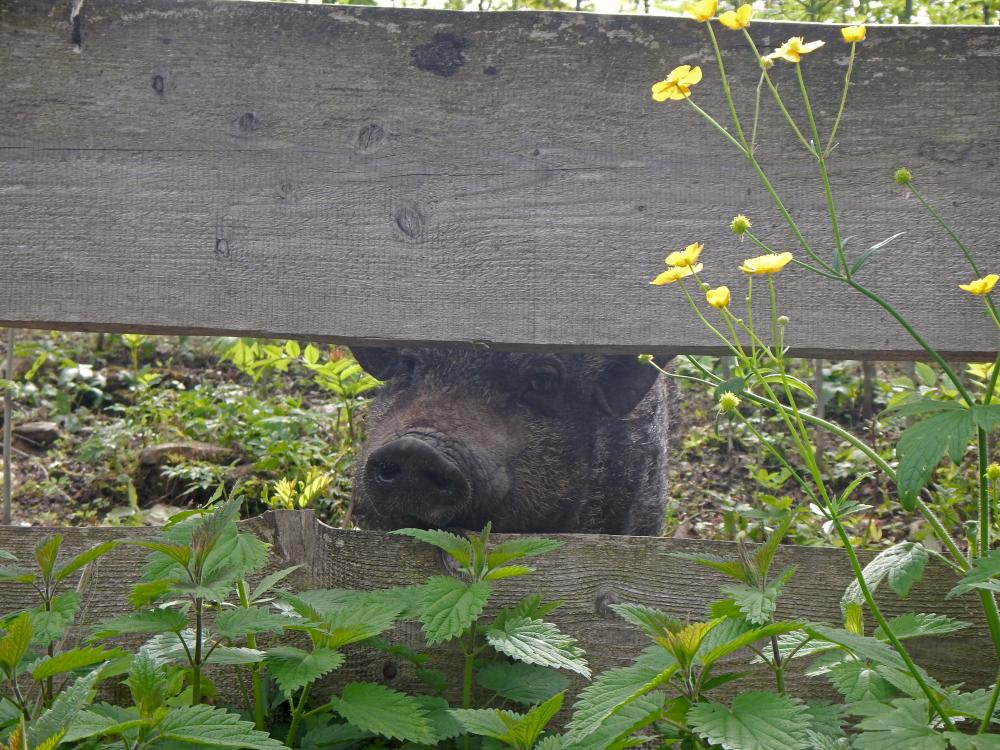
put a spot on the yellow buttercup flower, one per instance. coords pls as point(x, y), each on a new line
point(737, 19)
point(686, 257)
point(852, 33)
point(794, 48)
point(703, 10)
point(718, 297)
point(770, 263)
point(674, 274)
point(677, 84)
point(982, 286)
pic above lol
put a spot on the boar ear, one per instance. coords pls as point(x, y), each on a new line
point(621, 383)
point(377, 361)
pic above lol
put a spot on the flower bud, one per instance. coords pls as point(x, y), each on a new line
point(740, 224)
point(993, 472)
point(903, 176)
point(729, 402)
point(783, 320)
point(766, 63)
point(645, 358)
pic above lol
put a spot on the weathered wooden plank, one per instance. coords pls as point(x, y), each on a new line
point(588, 574)
point(418, 176)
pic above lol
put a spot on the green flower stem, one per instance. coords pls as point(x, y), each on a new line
point(199, 628)
point(992, 386)
point(776, 452)
point(816, 271)
point(984, 725)
point(717, 126)
point(831, 209)
point(776, 95)
point(704, 320)
point(779, 667)
point(843, 101)
point(297, 711)
point(259, 712)
point(749, 324)
point(725, 87)
point(944, 225)
point(756, 240)
point(713, 379)
point(873, 607)
point(756, 113)
point(779, 359)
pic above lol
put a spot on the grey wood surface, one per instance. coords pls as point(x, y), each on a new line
point(366, 174)
point(588, 574)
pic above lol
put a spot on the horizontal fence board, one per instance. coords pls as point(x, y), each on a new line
point(588, 574)
point(374, 174)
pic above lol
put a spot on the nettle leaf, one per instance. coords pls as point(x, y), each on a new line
point(903, 725)
point(618, 729)
point(450, 606)
point(522, 683)
point(857, 681)
point(508, 571)
point(485, 722)
point(167, 647)
point(144, 621)
point(45, 554)
point(456, 547)
point(973, 741)
point(439, 715)
point(987, 416)
point(15, 574)
point(338, 735)
point(293, 668)
point(378, 709)
point(732, 568)
point(525, 732)
point(921, 447)
point(49, 626)
point(915, 625)
point(360, 621)
point(238, 622)
point(530, 606)
point(147, 682)
point(653, 622)
point(63, 710)
point(614, 688)
point(982, 570)
point(826, 718)
point(69, 661)
point(14, 645)
point(902, 565)
point(102, 720)
point(912, 408)
point(268, 582)
point(538, 642)
point(734, 385)
point(756, 721)
point(757, 606)
point(715, 647)
point(205, 726)
point(85, 557)
point(514, 549)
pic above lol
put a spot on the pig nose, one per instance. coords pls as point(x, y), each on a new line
point(409, 467)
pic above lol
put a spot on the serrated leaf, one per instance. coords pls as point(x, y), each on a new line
point(63, 710)
point(45, 554)
point(144, 593)
point(338, 735)
point(973, 741)
point(538, 642)
point(240, 621)
point(530, 606)
point(15, 574)
point(167, 647)
point(97, 722)
point(456, 547)
point(911, 408)
point(756, 721)
point(270, 581)
point(902, 565)
point(205, 726)
point(732, 568)
point(915, 625)
point(922, 445)
point(708, 656)
point(450, 606)
point(614, 688)
point(485, 722)
point(983, 569)
point(14, 645)
point(734, 385)
point(826, 718)
point(986, 416)
point(439, 715)
point(378, 709)
point(514, 549)
point(293, 668)
point(856, 681)
point(616, 732)
point(522, 683)
point(508, 571)
point(144, 621)
point(903, 725)
point(69, 661)
point(757, 606)
point(86, 557)
point(147, 682)
point(862, 646)
point(653, 622)
point(172, 554)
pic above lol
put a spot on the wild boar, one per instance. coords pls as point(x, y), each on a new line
point(531, 442)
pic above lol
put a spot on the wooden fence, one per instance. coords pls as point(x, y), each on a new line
point(382, 175)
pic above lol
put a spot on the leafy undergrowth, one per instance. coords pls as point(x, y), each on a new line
point(285, 436)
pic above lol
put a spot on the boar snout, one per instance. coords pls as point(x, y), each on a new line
point(410, 472)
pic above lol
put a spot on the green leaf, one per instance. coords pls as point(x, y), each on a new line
point(826, 718)
point(14, 645)
point(902, 564)
point(869, 252)
point(653, 622)
point(238, 622)
point(450, 606)
point(522, 683)
point(734, 385)
point(987, 416)
point(144, 621)
point(268, 582)
point(764, 556)
point(530, 606)
point(982, 570)
point(15, 574)
point(756, 721)
point(711, 653)
point(378, 709)
point(862, 646)
point(102, 720)
point(973, 741)
point(45, 554)
point(338, 735)
point(147, 682)
point(903, 725)
point(526, 731)
point(175, 554)
point(915, 625)
point(526, 546)
point(63, 710)
point(439, 715)
point(757, 606)
point(85, 557)
point(205, 726)
point(856, 681)
point(144, 593)
point(485, 722)
point(618, 729)
point(614, 688)
point(922, 445)
point(732, 568)
point(925, 374)
point(69, 661)
point(508, 571)
point(456, 547)
point(538, 642)
point(293, 668)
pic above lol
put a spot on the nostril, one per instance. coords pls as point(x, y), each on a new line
point(387, 472)
point(438, 481)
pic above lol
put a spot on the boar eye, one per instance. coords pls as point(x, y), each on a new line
point(544, 382)
point(405, 369)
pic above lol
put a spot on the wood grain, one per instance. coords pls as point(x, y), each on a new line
point(588, 574)
point(373, 174)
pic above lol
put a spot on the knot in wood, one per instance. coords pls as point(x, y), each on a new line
point(603, 600)
point(222, 247)
point(248, 122)
point(369, 138)
point(158, 84)
point(389, 671)
point(410, 222)
point(441, 56)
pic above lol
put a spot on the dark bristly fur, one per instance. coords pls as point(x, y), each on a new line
point(547, 443)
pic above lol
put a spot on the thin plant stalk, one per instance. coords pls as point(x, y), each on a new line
point(843, 101)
